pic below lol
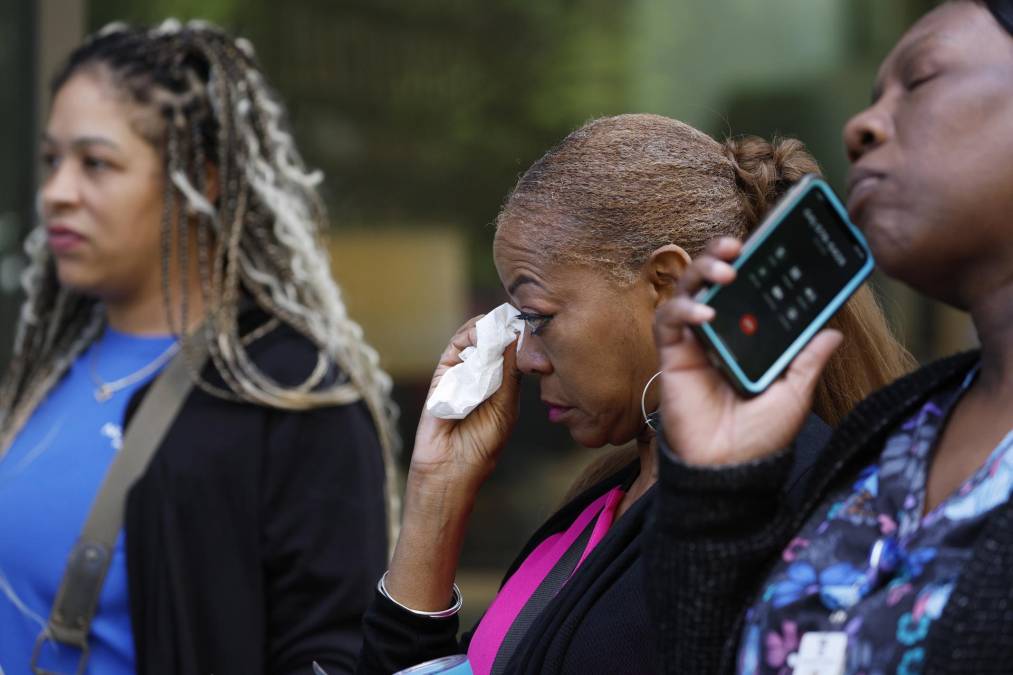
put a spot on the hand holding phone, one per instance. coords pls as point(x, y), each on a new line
point(799, 267)
point(706, 419)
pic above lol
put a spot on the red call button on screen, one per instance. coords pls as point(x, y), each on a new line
point(748, 324)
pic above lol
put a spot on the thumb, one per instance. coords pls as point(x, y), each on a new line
point(511, 375)
point(805, 369)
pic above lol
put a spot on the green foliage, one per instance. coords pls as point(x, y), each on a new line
point(426, 112)
point(222, 12)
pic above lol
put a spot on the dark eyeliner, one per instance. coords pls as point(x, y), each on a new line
point(536, 322)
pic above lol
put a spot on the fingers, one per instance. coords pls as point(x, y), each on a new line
point(711, 267)
point(466, 336)
point(510, 368)
point(804, 371)
point(674, 316)
point(508, 391)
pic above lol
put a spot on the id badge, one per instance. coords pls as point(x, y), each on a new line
point(822, 654)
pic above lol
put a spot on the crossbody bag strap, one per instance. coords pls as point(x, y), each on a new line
point(544, 594)
point(77, 598)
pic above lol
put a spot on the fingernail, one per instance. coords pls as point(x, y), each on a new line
point(703, 313)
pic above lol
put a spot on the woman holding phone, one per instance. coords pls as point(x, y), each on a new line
point(592, 239)
point(900, 558)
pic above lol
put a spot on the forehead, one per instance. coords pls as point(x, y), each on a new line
point(963, 25)
point(527, 269)
point(517, 256)
point(90, 104)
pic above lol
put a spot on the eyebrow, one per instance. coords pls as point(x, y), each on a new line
point(902, 59)
point(83, 141)
point(520, 281)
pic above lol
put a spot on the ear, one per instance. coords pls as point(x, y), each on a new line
point(663, 269)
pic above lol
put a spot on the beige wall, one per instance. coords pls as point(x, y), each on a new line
point(407, 288)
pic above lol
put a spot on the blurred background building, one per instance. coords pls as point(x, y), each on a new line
point(423, 114)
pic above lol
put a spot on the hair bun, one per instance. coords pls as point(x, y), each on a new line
point(764, 171)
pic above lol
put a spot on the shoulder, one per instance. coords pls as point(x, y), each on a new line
point(808, 446)
point(284, 354)
point(880, 409)
point(568, 513)
point(937, 374)
point(861, 434)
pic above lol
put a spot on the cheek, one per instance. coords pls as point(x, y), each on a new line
point(958, 147)
point(889, 241)
point(129, 221)
point(596, 377)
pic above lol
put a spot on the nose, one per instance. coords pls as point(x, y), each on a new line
point(867, 130)
point(61, 188)
point(532, 359)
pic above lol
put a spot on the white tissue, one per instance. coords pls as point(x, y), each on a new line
point(480, 373)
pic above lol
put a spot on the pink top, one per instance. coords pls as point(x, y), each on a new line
point(516, 592)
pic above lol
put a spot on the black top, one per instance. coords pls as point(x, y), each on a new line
point(597, 623)
point(255, 536)
point(1002, 10)
point(717, 532)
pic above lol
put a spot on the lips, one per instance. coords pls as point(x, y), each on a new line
point(62, 239)
point(556, 410)
point(862, 185)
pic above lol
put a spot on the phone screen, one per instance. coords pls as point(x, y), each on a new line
point(794, 273)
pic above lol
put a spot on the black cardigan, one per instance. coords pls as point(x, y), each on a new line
point(716, 533)
point(255, 535)
point(597, 623)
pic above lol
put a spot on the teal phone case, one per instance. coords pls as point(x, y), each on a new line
point(719, 353)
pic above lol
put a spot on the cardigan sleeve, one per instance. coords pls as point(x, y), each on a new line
point(709, 541)
point(394, 638)
point(324, 536)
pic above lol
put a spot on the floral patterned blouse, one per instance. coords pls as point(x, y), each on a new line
point(870, 565)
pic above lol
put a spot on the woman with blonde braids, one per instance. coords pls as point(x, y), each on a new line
point(176, 211)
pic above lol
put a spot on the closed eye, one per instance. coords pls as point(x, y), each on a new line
point(918, 81)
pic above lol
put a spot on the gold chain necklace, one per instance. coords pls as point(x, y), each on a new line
point(105, 390)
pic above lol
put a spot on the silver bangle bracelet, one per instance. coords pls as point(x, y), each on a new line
point(457, 601)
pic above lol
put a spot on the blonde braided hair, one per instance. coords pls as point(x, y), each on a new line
point(262, 237)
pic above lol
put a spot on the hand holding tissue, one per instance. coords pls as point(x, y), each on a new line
point(480, 373)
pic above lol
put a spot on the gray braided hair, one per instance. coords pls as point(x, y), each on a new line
point(261, 237)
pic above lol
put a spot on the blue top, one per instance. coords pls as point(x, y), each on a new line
point(870, 564)
point(48, 481)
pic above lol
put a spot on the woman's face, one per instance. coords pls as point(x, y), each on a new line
point(932, 177)
point(101, 196)
point(596, 352)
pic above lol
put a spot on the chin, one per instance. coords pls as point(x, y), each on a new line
point(589, 438)
point(78, 280)
point(595, 437)
point(905, 257)
point(888, 243)
point(72, 278)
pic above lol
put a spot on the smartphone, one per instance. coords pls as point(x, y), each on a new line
point(800, 265)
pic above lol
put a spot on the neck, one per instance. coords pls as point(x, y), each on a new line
point(647, 449)
point(145, 312)
point(993, 320)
